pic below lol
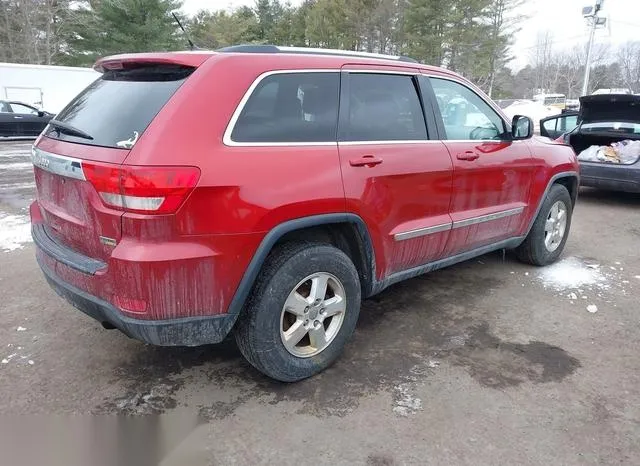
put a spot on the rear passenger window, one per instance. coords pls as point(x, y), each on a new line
point(290, 108)
point(384, 107)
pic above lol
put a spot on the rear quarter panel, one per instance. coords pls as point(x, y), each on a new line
point(241, 189)
point(242, 193)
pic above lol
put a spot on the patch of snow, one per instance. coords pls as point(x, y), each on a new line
point(31, 362)
point(405, 402)
point(592, 308)
point(434, 364)
point(145, 403)
point(9, 358)
point(15, 230)
point(534, 110)
point(16, 166)
point(573, 296)
point(14, 186)
point(20, 329)
point(458, 340)
point(571, 273)
point(618, 263)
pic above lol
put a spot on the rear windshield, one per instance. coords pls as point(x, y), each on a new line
point(117, 108)
point(611, 127)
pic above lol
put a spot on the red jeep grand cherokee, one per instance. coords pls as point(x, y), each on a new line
point(267, 190)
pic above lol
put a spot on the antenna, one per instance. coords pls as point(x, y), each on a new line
point(191, 46)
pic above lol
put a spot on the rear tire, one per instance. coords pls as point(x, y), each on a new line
point(546, 240)
point(294, 341)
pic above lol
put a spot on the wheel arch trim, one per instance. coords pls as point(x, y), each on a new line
point(275, 234)
point(550, 183)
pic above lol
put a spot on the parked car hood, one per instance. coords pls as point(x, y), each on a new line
point(609, 107)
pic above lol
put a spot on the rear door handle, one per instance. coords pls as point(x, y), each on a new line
point(365, 161)
point(468, 155)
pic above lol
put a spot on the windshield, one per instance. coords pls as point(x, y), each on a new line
point(611, 127)
point(117, 108)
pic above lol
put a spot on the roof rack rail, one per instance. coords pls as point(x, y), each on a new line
point(310, 51)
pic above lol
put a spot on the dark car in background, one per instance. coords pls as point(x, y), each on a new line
point(18, 119)
point(605, 134)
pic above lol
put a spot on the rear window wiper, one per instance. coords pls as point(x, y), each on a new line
point(66, 128)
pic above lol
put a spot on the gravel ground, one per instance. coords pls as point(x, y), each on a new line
point(487, 362)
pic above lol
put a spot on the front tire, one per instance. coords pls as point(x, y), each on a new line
point(302, 311)
point(546, 240)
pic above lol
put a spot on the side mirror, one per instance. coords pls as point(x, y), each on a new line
point(521, 127)
point(41, 113)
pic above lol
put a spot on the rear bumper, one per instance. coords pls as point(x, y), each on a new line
point(188, 331)
point(63, 254)
point(153, 280)
point(625, 178)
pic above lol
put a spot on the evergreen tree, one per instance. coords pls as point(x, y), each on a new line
point(106, 27)
point(221, 29)
point(328, 26)
point(426, 28)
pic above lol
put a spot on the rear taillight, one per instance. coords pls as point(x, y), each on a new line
point(147, 190)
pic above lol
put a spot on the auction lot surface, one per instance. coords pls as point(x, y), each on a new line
point(487, 362)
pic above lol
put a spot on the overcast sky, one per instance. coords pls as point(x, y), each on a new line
point(562, 17)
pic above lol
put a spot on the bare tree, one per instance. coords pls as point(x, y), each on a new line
point(540, 59)
point(504, 24)
point(629, 59)
point(573, 71)
point(31, 31)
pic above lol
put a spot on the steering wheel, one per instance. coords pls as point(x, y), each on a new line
point(481, 132)
point(477, 133)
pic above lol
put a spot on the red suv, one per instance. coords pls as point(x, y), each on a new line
point(267, 190)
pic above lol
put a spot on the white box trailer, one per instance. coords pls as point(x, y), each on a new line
point(46, 87)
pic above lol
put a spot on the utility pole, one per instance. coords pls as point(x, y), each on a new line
point(591, 14)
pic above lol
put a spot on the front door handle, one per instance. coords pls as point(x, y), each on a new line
point(16, 117)
point(468, 155)
point(365, 161)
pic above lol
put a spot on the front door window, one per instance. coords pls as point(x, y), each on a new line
point(465, 115)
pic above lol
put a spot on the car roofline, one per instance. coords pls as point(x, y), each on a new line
point(196, 58)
